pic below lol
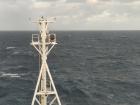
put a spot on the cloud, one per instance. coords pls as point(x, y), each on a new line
point(80, 1)
point(41, 5)
point(127, 1)
point(92, 1)
point(46, 0)
point(93, 14)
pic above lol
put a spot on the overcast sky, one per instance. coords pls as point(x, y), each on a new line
point(71, 14)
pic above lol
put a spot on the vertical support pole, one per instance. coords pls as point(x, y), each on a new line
point(44, 58)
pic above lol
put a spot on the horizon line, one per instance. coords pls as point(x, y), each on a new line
point(77, 30)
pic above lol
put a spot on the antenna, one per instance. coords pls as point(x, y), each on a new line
point(45, 92)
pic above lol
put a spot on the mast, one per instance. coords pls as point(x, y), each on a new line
point(45, 92)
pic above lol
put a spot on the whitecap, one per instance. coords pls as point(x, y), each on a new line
point(15, 76)
point(10, 47)
point(16, 52)
point(10, 75)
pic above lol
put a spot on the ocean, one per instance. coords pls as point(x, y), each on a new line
point(88, 67)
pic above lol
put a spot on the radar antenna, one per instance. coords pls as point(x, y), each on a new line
point(45, 92)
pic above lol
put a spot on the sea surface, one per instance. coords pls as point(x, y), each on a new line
point(88, 67)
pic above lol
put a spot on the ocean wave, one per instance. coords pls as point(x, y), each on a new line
point(10, 47)
point(15, 53)
point(10, 75)
point(22, 52)
point(9, 68)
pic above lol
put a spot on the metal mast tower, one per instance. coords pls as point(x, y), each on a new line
point(45, 92)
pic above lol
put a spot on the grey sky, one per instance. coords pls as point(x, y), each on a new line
point(71, 14)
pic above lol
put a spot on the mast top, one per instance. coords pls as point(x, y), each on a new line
point(45, 19)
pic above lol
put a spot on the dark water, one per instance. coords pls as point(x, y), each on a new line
point(89, 68)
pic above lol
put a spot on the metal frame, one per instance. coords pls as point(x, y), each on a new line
point(45, 92)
